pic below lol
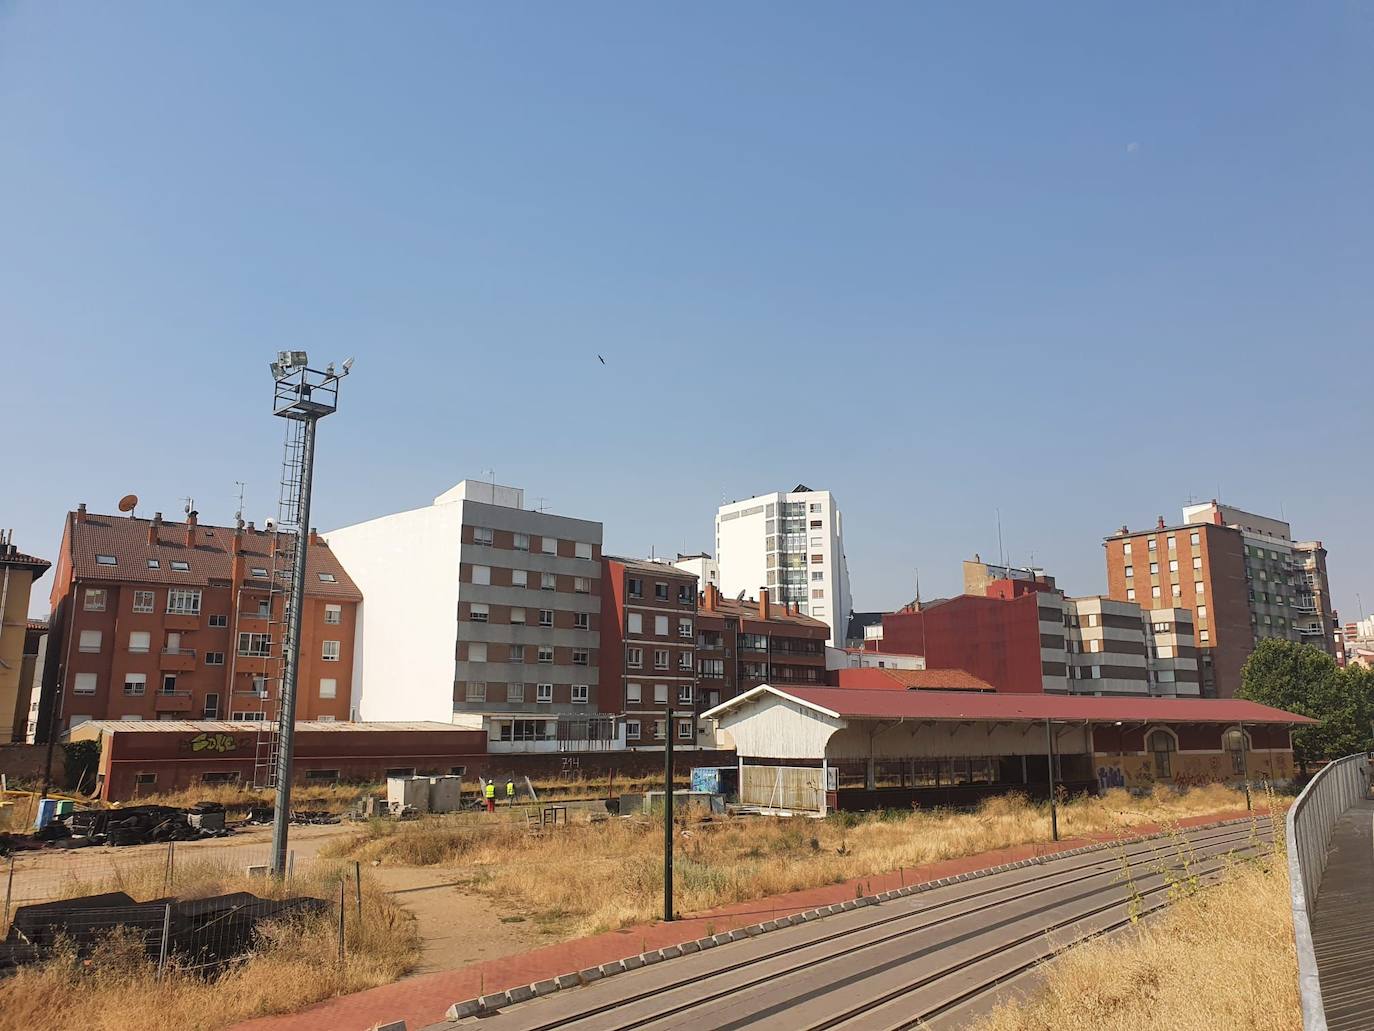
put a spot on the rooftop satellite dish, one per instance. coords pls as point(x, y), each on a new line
point(128, 502)
point(740, 596)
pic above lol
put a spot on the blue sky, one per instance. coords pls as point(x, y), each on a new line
point(1078, 262)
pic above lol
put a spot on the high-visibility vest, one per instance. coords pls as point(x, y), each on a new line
point(510, 789)
point(491, 790)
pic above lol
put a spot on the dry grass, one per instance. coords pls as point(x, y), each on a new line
point(298, 964)
point(558, 878)
point(237, 798)
point(1219, 958)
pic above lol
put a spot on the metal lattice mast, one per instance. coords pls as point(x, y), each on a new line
point(304, 396)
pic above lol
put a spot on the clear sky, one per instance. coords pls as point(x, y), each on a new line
point(1079, 262)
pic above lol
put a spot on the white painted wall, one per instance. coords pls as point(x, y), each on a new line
point(773, 727)
point(406, 565)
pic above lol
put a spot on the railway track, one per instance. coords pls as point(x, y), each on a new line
point(935, 958)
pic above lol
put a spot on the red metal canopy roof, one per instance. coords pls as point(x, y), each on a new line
point(967, 705)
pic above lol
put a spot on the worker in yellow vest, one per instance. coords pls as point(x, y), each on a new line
point(491, 796)
point(510, 791)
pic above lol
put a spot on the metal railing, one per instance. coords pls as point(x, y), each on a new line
point(1310, 822)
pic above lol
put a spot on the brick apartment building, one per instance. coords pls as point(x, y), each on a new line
point(1023, 636)
point(18, 573)
point(1242, 577)
point(156, 620)
point(648, 638)
point(742, 643)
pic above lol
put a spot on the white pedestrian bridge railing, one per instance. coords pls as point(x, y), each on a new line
point(1310, 822)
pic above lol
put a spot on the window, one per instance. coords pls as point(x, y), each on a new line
point(329, 687)
point(333, 614)
point(1154, 568)
point(1197, 587)
point(548, 582)
point(477, 691)
point(214, 658)
point(660, 626)
point(478, 612)
point(817, 593)
point(255, 645)
point(1202, 611)
point(816, 542)
point(818, 575)
point(259, 572)
point(515, 692)
point(183, 602)
point(259, 687)
point(1152, 544)
point(549, 545)
point(1161, 744)
point(330, 653)
point(1234, 742)
point(140, 641)
point(1130, 594)
point(581, 549)
point(660, 729)
point(582, 621)
point(104, 560)
point(135, 684)
point(519, 578)
point(582, 585)
point(144, 601)
point(684, 695)
point(211, 710)
point(321, 776)
point(661, 591)
point(1197, 562)
point(154, 564)
point(477, 651)
point(660, 658)
point(1094, 646)
point(632, 730)
point(684, 628)
point(661, 694)
point(634, 623)
point(185, 567)
point(325, 578)
point(95, 599)
point(632, 694)
point(1126, 548)
point(684, 730)
point(1204, 635)
point(481, 575)
point(517, 616)
point(145, 779)
point(1194, 538)
point(1097, 672)
point(482, 535)
point(685, 594)
point(84, 683)
point(1166, 651)
point(635, 587)
point(1154, 592)
point(248, 717)
point(546, 617)
point(516, 653)
point(579, 694)
point(579, 656)
point(1171, 542)
point(522, 542)
point(815, 524)
point(543, 692)
point(545, 653)
point(1130, 572)
point(220, 620)
point(815, 506)
point(90, 641)
point(816, 610)
point(684, 661)
point(1177, 591)
point(634, 657)
point(1173, 565)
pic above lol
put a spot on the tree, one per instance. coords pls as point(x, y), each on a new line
point(1302, 678)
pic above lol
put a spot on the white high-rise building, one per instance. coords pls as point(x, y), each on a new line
point(791, 543)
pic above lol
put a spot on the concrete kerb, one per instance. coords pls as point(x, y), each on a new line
point(491, 1003)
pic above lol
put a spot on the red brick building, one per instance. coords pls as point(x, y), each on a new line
point(744, 643)
point(155, 620)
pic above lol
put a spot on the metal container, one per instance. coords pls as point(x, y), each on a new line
point(445, 794)
point(408, 791)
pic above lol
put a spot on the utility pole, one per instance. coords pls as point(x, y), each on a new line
point(668, 818)
point(1245, 768)
point(304, 395)
point(1049, 754)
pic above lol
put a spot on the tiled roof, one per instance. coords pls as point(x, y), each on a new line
point(1019, 708)
point(886, 679)
point(777, 613)
point(209, 557)
point(650, 567)
point(239, 726)
point(17, 559)
point(37, 624)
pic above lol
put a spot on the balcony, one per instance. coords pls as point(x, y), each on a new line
point(180, 659)
point(172, 701)
point(181, 621)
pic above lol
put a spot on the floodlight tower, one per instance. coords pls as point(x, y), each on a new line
point(304, 396)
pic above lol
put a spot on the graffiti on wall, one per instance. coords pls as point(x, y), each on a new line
point(219, 743)
point(1138, 771)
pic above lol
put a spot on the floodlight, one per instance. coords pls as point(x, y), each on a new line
point(300, 359)
point(347, 365)
point(284, 359)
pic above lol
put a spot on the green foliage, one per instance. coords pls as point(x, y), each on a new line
point(1304, 679)
point(82, 761)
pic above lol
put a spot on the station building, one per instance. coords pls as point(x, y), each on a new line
point(817, 750)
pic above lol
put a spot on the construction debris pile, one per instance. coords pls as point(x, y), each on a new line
point(134, 825)
point(201, 934)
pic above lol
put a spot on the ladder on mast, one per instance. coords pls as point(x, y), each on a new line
point(286, 536)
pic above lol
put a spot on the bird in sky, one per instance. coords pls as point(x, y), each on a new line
point(601, 360)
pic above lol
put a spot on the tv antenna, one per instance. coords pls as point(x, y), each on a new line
point(543, 504)
point(238, 515)
point(190, 505)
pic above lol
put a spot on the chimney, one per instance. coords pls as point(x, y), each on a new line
point(153, 527)
point(764, 611)
point(315, 541)
point(191, 528)
point(81, 512)
point(1160, 524)
point(251, 528)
